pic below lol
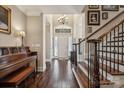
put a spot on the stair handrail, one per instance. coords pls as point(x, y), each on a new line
point(86, 38)
point(104, 34)
point(105, 25)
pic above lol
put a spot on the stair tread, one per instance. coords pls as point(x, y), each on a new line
point(121, 32)
point(115, 41)
point(118, 36)
point(113, 46)
point(112, 60)
point(111, 52)
point(112, 72)
point(103, 81)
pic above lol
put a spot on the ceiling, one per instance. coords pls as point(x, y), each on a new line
point(35, 10)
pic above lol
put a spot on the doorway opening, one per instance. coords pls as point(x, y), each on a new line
point(62, 47)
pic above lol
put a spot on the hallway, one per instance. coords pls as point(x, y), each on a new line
point(57, 75)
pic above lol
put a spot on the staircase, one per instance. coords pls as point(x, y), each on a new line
point(104, 65)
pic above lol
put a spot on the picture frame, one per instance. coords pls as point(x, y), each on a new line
point(89, 29)
point(93, 6)
point(121, 6)
point(105, 15)
point(93, 17)
point(5, 19)
point(110, 7)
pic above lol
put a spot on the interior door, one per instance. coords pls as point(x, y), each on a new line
point(62, 47)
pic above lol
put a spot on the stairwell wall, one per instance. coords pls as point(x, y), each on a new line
point(92, 28)
point(89, 29)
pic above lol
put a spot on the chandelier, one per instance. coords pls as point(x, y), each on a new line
point(63, 19)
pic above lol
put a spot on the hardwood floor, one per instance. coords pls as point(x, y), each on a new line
point(57, 75)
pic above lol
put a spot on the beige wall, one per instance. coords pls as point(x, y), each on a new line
point(48, 37)
point(111, 15)
point(32, 25)
point(35, 37)
point(18, 22)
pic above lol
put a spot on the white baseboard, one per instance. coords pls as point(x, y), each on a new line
point(41, 69)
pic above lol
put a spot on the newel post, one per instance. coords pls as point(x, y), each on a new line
point(75, 54)
point(95, 62)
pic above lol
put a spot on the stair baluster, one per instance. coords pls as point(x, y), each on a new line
point(122, 41)
point(118, 48)
point(114, 50)
point(88, 67)
point(102, 59)
point(110, 52)
point(106, 58)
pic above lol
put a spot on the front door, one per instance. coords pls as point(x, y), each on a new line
point(63, 47)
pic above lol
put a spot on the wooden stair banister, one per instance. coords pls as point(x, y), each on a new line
point(104, 34)
point(95, 57)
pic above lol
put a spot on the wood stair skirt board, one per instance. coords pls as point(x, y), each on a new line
point(80, 78)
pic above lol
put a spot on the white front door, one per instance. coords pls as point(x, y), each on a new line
point(62, 47)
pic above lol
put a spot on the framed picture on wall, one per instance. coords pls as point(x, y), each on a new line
point(110, 7)
point(93, 6)
point(5, 20)
point(105, 15)
point(121, 6)
point(93, 17)
point(89, 29)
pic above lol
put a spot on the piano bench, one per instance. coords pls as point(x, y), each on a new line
point(18, 77)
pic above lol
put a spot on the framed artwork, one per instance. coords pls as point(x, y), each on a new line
point(121, 6)
point(5, 20)
point(89, 29)
point(110, 7)
point(105, 15)
point(93, 17)
point(93, 6)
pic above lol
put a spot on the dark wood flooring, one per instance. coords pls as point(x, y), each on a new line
point(57, 75)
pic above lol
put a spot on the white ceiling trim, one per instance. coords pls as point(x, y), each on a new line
point(36, 10)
